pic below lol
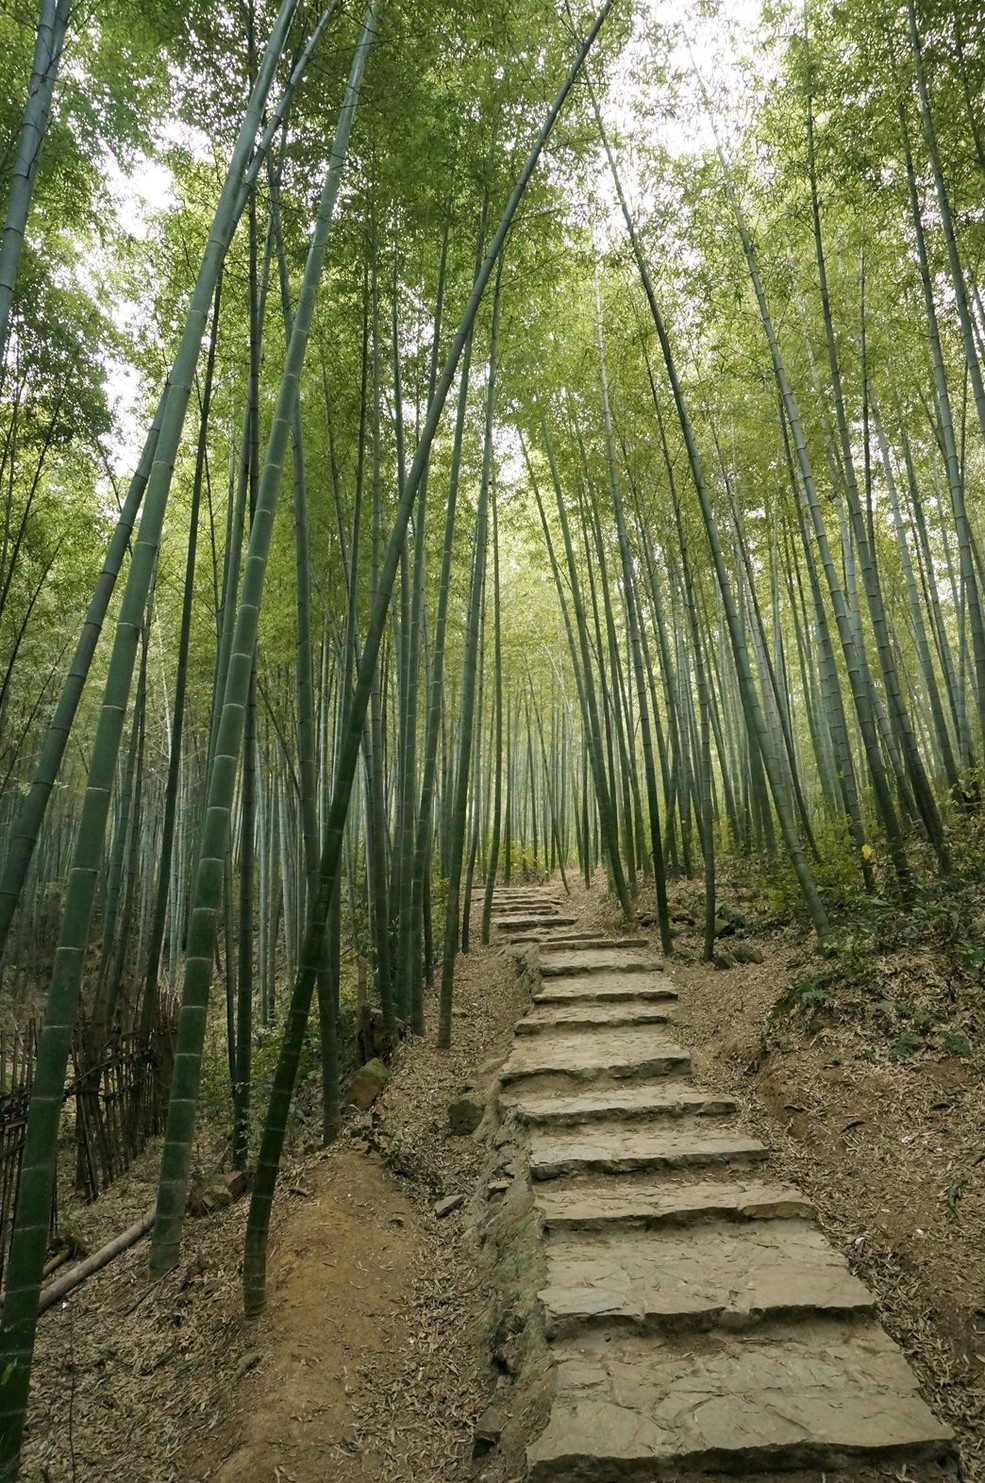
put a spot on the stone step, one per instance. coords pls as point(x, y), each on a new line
point(811, 1394)
point(590, 1015)
point(622, 1104)
point(506, 900)
point(602, 1148)
point(619, 1204)
point(545, 936)
point(553, 1061)
point(563, 962)
point(727, 1275)
point(610, 987)
point(520, 921)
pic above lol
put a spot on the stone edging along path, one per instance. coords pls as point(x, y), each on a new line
point(694, 1317)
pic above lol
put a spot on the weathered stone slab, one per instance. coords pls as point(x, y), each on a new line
point(520, 920)
point(590, 1015)
point(613, 1053)
point(561, 937)
point(609, 986)
point(519, 900)
point(606, 1206)
point(563, 962)
point(730, 1275)
point(623, 1104)
point(602, 1148)
point(813, 1394)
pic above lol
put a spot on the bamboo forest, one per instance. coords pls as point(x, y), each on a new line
point(492, 716)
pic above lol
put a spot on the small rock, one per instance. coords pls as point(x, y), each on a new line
point(488, 1430)
point(205, 1198)
point(464, 1115)
point(367, 1084)
point(373, 1040)
point(448, 1205)
point(238, 1181)
point(507, 1344)
point(498, 1186)
point(723, 960)
point(246, 1364)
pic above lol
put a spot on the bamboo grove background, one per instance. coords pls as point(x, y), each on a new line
point(493, 517)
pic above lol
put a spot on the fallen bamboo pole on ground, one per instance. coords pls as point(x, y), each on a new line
point(99, 1259)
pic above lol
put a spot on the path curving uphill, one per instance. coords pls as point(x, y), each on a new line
point(697, 1319)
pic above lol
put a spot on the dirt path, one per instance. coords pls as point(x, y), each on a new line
point(372, 1360)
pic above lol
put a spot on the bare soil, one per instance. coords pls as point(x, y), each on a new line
point(372, 1359)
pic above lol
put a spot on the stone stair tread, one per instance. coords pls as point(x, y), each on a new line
point(545, 932)
point(600, 1146)
point(590, 1015)
point(561, 962)
point(613, 1203)
point(724, 1273)
point(621, 1103)
point(618, 1052)
point(503, 921)
point(503, 899)
point(609, 986)
point(811, 1394)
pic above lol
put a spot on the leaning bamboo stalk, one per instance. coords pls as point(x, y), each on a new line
point(182, 1110)
point(254, 1260)
point(37, 1179)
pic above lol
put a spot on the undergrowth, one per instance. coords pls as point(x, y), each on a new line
point(906, 967)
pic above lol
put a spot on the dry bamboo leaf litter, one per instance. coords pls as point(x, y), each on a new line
point(153, 1383)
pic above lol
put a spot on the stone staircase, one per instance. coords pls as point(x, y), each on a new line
point(698, 1320)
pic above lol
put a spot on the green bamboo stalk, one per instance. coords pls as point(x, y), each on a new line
point(48, 47)
point(750, 699)
point(35, 1193)
point(182, 1109)
point(636, 648)
point(497, 740)
point(258, 1225)
point(468, 733)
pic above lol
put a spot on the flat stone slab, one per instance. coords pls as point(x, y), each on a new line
point(812, 1394)
point(728, 1275)
point(518, 920)
point(612, 1053)
point(546, 933)
point(590, 1015)
point(611, 987)
point(603, 1148)
point(623, 1104)
point(519, 900)
point(562, 962)
point(648, 1207)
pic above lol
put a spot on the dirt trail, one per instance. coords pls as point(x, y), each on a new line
point(338, 1281)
